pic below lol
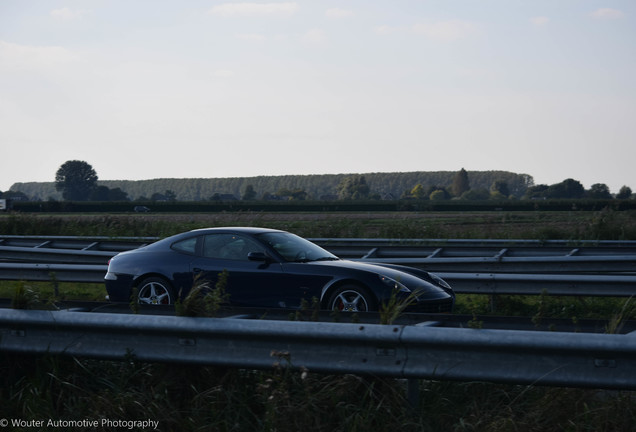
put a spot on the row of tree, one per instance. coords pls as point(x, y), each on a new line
point(77, 181)
point(573, 189)
point(499, 190)
point(310, 187)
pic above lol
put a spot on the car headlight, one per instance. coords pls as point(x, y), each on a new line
point(439, 281)
point(393, 284)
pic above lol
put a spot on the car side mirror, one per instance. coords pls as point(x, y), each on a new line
point(257, 256)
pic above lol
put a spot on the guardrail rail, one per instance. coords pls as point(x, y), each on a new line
point(402, 351)
point(591, 268)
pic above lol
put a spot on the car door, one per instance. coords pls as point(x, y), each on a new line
point(251, 283)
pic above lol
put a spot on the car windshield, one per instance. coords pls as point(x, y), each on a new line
point(294, 248)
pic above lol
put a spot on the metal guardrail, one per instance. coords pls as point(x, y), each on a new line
point(50, 255)
point(462, 283)
point(49, 272)
point(401, 351)
point(495, 264)
point(100, 243)
point(67, 249)
point(358, 246)
point(355, 246)
point(536, 284)
point(438, 263)
point(483, 255)
point(591, 268)
point(480, 256)
point(427, 349)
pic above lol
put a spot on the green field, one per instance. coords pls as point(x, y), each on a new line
point(193, 398)
point(572, 225)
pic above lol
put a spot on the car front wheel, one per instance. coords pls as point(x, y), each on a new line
point(351, 298)
point(155, 291)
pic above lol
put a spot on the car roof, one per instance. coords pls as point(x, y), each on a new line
point(165, 242)
point(247, 230)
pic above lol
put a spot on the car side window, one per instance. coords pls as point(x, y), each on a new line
point(188, 246)
point(229, 246)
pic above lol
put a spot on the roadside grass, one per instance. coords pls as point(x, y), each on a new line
point(195, 398)
point(537, 307)
point(48, 292)
point(545, 306)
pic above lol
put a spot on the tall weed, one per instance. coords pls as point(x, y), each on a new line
point(193, 398)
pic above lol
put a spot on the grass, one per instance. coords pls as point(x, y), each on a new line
point(202, 300)
point(195, 398)
point(48, 292)
point(38, 294)
point(572, 225)
point(546, 306)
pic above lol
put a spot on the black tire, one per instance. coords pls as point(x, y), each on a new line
point(154, 290)
point(351, 298)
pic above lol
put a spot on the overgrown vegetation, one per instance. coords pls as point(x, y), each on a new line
point(395, 306)
point(44, 293)
point(203, 300)
point(24, 297)
point(194, 398)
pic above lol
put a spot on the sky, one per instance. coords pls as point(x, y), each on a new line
point(200, 89)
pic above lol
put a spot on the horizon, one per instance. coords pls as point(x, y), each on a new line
point(229, 89)
point(374, 179)
point(324, 174)
point(329, 174)
point(285, 175)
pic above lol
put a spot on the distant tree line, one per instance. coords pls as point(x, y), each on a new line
point(572, 189)
point(77, 181)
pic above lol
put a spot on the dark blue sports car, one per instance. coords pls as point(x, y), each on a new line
point(269, 269)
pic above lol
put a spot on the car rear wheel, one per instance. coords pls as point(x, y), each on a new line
point(351, 298)
point(154, 290)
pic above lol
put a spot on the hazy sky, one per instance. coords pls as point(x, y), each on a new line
point(152, 89)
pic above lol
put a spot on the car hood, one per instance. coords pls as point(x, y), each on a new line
point(363, 266)
point(404, 277)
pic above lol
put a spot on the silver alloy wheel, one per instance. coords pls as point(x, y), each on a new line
point(350, 300)
point(154, 291)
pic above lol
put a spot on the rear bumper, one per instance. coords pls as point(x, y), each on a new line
point(118, 287)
